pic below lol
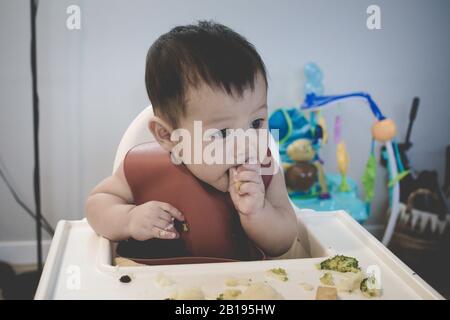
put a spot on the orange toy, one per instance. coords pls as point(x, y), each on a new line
point(384, 130)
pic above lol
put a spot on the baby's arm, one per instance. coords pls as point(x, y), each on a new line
point(272, 225)
point(111, 212)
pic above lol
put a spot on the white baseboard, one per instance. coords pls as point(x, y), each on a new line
point(22, 252)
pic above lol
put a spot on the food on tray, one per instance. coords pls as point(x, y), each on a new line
point(326, 293)
point(124, 262)
point(163, 281)
point(346, 275)
point(229, 294)
point(340, 263)
point(306, 286)
point(234, 282)
point(327, 279)
point(255, 291)
point(343, 281)
point(370, 287)
point(260, 291)
point(125, 279)
point(278, 273)
point(193, 293)
point(348, 281)
point(231, 282)
point(341, 273)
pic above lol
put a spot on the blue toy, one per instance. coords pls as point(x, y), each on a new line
point(341, 192)
point(293, 127)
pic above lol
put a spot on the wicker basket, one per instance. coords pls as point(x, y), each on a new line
point(420, 230)
point(422, 241)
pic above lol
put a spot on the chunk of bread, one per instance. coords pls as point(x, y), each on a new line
point(326, 293)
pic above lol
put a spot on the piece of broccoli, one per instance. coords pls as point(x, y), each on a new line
point(369, 287)
point(229, 294)
point(279, 273)
point(340, 263)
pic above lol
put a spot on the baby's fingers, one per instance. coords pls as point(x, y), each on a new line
point(174, 212)
point(163, 224)
point(249, 176)
point(163, 234)
point(249, 167)
point(250, 188)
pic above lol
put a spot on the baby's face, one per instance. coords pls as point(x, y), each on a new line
point(219, 111)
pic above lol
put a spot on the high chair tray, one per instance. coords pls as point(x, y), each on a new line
point(79, 266)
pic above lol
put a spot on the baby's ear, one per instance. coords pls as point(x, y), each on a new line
point(161, 130)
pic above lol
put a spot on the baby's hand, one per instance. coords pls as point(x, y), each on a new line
point(247, 188)
point(154, 219)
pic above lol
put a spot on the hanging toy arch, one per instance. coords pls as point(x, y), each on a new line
point(294, 132)
point(383, 131)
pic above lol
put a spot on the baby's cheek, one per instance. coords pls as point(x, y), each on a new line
point(215, 175)
point(204, 172)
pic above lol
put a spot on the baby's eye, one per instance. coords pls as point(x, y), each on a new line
point(256, 124)
point(221, 133)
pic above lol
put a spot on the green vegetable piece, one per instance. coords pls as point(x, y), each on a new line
point(340, 263)
point(281, 273)
point(370, 287)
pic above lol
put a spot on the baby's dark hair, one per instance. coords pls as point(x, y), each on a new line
point(189, 55)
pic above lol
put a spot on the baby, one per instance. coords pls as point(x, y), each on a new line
point(208, 74)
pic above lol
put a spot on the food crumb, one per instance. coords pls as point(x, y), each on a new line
point(327, 279)
point(326, 293)
point(229, 294)
point(125, 279)
point(234, 282)
point(278, 273)
point(162, 280)
point(307, 286)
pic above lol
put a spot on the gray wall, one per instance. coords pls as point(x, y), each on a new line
point(91, 82)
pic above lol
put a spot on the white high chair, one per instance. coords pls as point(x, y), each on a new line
point(79, 262)
point(136, 133)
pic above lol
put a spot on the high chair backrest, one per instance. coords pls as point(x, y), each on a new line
point(136, 133)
